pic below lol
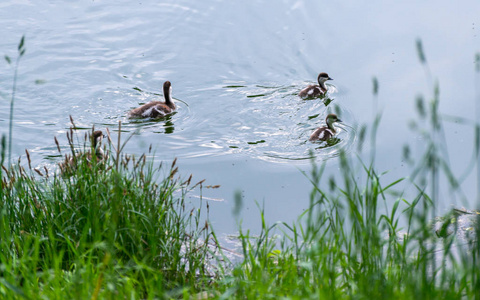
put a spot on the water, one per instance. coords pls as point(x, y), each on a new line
point(235, 69)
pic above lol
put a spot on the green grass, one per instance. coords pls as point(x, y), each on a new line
point(107, 230)
point(120, 228)
point(346, 246)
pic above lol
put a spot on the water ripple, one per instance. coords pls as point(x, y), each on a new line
point(268, 122)
point(274, 124)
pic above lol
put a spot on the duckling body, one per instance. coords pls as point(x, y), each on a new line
point(326, 132)
point(69, 165)
point(156, 109)
point(314, 91)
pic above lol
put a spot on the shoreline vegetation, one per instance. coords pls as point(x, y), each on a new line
point(121, 228)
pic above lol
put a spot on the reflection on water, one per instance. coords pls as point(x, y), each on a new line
point(158, 125)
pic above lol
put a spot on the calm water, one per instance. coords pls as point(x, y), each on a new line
point(235, 68)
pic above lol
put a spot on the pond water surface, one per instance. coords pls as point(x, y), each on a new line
point(236, 69)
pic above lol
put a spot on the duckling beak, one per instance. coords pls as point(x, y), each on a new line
point(329, 78)
point(338, 120)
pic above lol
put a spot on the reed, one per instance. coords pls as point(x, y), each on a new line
point(21, 51)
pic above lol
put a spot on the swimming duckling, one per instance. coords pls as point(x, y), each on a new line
point(314, 91)
point(326, 132)
point(156, 109)
point(69, 165)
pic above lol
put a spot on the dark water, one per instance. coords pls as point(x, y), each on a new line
point(235, 68)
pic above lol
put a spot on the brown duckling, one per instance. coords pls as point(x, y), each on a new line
point(69, 165)
point(156, 109)
point(314, 91)
point(326, 132)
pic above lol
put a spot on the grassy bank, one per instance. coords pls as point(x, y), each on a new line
point(114, 228)
point(118, 227)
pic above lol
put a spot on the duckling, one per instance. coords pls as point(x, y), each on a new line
point(326, 132)
point(156, 109)
point(314, 91)
point(69, 165)
point(97, 139)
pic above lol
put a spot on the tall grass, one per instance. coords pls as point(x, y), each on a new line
point(477, 125)
point(115, 228)
point(21, 51)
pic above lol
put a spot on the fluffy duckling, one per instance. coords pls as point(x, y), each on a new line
point(314, 91)
point(156, 109)
point(326, 132)
point(69, 165)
